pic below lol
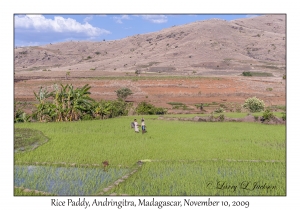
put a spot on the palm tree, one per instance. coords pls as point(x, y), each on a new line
point(68, 104)
point(81, 103)
point(59, 96)
point(45, 110)
point(103, 108)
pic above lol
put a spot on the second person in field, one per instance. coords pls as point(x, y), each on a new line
point(143, 126)
point(136, 126)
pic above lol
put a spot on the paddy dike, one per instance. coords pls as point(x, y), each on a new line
point(211, 118)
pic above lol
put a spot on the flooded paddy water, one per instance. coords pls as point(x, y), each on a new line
point(65, 180)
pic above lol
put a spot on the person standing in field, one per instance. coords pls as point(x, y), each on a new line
point(132, 125)
point(143, 126)
point(136, 126)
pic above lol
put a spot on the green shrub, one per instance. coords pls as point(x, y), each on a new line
point(176, 107)
point(160, 110)
point(123, 93)
point(282, 107)
point(247, 73)
point(222, 117)
point(223, 106)
point(21, 116)
point(283, 116)
point(86, 117)
point(176, 103)
point(269, 89)
point(254, 104)
point(149, 109)
point(268, 115)
point(219, 110)
point(284, 76)
point(238, 109)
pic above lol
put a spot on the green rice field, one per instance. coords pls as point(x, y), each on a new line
point(176, 158)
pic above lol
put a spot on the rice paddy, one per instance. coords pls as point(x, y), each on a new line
point(206, 178)
point(65, 180)
point(185, 156)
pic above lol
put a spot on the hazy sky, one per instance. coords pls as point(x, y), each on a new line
point(37, 29)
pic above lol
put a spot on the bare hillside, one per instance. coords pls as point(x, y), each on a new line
point(212, 47)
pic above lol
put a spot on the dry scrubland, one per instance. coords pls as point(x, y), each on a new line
point(212, 48)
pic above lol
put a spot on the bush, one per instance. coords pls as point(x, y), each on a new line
point(120, 108)
point(223, 106)
point(176, 107)
point(269, 89)
point(283, 116)
point(149, 109)
point(254, 104)
point(176, 103)
point(86, 117)
point(247, 73)
point(160, 110)
point(123, 93)
point(268, 115)
point(222, 117)
point(219, 110)
point(21, 116)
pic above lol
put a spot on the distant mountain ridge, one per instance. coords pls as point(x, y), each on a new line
point(203, 47)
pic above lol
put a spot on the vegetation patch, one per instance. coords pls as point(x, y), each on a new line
point(28, 139)
point(247, 74)
point(262, 74)
point(254, 104)
point(145, 108)
point(257, 74)
point(176, 103)
point(269, 89)
point(268, 115)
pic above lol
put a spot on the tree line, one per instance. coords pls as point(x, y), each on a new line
point(66, 103)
